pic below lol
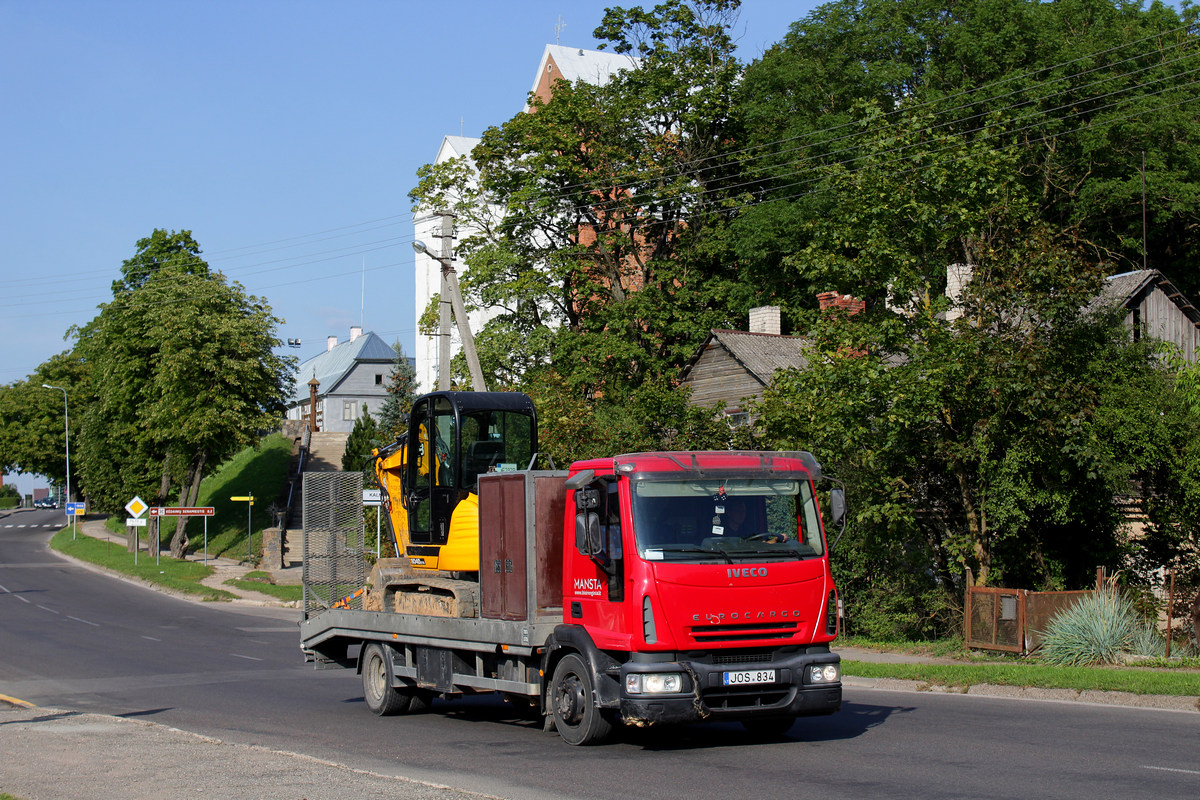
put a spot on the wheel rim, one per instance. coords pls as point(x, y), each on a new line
point(568, 701)
point(375, 676)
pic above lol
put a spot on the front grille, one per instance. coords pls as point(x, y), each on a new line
point(742, 657)
point(736, 633)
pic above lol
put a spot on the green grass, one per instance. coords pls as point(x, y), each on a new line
point(261, 582)
point(259, 471)
point(1178, 676)
point(1135, 681)
point(181, 576)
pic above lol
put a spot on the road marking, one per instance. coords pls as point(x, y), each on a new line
point(84, 621)
point(51, 610)
point(14, 594)
point(1172, 769)
point(15, 701)
point(239, 655)
point(151, 638)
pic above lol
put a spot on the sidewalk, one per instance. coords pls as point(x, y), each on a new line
point(67, 755)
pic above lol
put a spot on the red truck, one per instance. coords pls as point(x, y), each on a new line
point(641, 589)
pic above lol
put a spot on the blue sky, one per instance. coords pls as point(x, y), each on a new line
point(284, 135)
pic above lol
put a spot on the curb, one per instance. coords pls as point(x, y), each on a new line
point(1158, 702)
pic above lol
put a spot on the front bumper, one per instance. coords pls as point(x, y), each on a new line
point(706, 697)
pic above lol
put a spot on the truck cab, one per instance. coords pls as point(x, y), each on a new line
point(709, 572)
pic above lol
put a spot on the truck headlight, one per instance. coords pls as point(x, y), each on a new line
point(654, 683)
point(824, 673)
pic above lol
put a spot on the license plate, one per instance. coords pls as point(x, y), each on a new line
point(749, 676)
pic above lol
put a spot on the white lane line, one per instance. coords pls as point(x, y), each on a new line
point(51, 610)
point(151, 638)
point(14, 594)
point(239, 655)
point(84, 621)
point(1172, 769)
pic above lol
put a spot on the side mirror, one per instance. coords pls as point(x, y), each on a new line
point(580, 480)
point(837, 507)
point(587, 533)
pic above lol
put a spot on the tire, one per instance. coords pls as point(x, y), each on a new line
point(382, 698)
point(573, 704)
point(768, 727)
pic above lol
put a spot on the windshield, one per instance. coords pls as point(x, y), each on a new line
point(731, 520)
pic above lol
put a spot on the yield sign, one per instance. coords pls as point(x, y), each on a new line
point(136, 507)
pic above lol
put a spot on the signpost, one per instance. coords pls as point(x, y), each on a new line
point(135, 508)
point(371, 498)
point(188, 511)
point(248, 499)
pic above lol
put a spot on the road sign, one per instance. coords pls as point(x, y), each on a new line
point(244, 499)
point(371, 497)
point(136, 507)
point(136, 522)
point(75, 509)
point(182, 511)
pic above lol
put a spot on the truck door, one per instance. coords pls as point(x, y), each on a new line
point(433, 470)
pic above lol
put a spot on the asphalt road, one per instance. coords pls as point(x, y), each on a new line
point(75, 639)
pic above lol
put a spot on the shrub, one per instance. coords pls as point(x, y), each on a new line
point(1096, 630)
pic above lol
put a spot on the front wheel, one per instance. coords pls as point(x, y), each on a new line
point(573, 704)
point(383, 699)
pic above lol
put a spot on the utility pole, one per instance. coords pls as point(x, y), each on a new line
point(452, 305)
point(444, 307)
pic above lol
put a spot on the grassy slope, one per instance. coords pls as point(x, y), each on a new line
point(261, 472)
point(180, 576)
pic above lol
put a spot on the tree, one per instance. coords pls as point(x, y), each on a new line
point(31, 418)
point(1083, 89)
point(184, 375)
point(590, 214)
point(364, 437)
point(401, 392)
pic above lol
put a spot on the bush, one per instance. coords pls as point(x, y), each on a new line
point(1096, 630)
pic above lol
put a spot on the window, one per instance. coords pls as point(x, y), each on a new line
point(349, 410)
point(378, 379)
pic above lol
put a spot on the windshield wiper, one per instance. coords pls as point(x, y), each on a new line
point(774, 551)
point(691, 548)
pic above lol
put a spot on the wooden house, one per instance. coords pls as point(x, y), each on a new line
point(1154, 308)
point(733, 366)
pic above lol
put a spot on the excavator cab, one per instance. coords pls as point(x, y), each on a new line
point(452, 439)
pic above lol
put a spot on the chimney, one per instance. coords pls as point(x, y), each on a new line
point(846, 302)
point(330, 343)
point(355, 332)
point(765, 319)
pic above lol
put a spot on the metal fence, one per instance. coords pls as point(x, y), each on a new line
point(334, 564)
point(1014, 620)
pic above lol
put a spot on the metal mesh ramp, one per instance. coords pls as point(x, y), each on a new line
point(334, 569)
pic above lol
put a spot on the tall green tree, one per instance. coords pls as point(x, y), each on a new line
point(31, 419)
point(1083, 90)
point(587, 207)
point(364, 437)
point(401, 392)
point(184, 375)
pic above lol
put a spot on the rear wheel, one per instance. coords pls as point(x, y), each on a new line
point(573, 704)
point(382, 697)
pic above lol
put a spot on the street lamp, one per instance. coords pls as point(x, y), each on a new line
point(66, 439)
point(450, 287)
